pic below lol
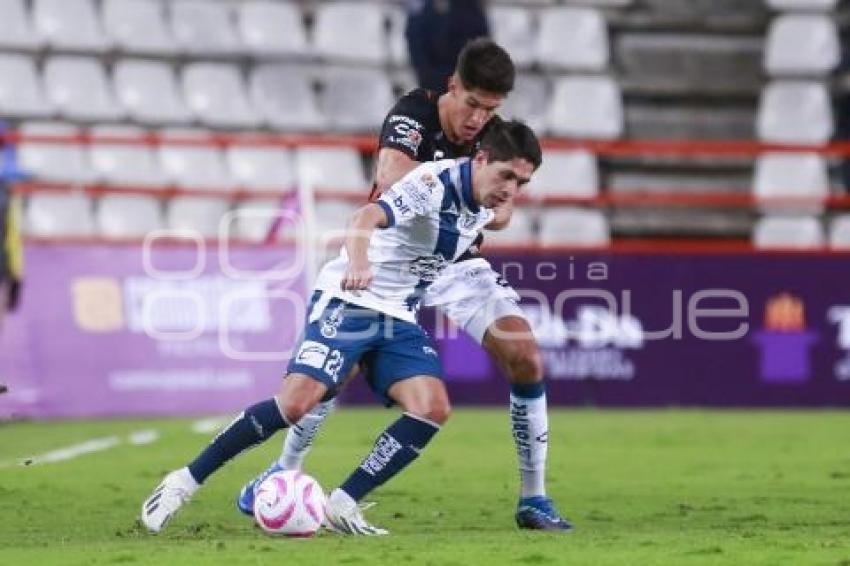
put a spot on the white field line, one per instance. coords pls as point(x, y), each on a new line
point(138, 438)
point(210, 425)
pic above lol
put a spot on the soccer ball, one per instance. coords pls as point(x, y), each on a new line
point(289, 503)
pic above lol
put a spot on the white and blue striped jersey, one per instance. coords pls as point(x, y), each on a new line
point(432, 220)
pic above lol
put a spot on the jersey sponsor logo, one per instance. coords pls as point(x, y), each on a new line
point(312, 354)
point(330, 325)
point(407, 132)
point(382, 453)
point(428, 350)
point(427, 267)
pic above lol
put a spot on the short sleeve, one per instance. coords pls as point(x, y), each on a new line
point(406, 125)
point(417, 194)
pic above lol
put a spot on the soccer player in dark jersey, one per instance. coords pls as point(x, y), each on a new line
point(423, 126)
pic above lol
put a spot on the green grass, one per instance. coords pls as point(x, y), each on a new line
point(643, 487)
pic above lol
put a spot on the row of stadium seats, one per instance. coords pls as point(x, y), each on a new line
point(340, 169)
point(134, 216)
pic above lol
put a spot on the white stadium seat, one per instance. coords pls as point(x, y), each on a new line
point(216, 94)
point(586, 107)
point(138, 26)
point(814, 5)
point(54, 162)
point(196, 214)
point(148, 91)
point(802, 44)
point(267, 169)
point(128, 216)
point(578, 227)
point(351, 31)
point(791, 232)
point(839, 232)
point(253, 219)
point(21, 91)
point(513, 27)
point(357, 100)
point(519, 232)
point(528, 101)
point(284, 98)
point(51, 215)
point(398, 51)
point(795, 112)
point(792, 175)
point(80, 89)
point(193, 166)
point(16, 29)
point(70, 25)
point(121, 164)
point(204, 28)
point(572, 39)
point(272, 28)
point(572, 173)
point(331, 168)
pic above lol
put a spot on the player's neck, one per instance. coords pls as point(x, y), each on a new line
point(445, 124)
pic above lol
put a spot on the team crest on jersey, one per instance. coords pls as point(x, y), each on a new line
point(469, 221)
point(429, 181)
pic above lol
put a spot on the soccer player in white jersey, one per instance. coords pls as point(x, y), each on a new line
point(364, 307)
point(424, 126)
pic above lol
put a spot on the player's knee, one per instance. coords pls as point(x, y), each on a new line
point(294, 407)
point(437, 411)
point(524, 363)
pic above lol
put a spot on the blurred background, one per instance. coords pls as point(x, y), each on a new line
point(176, 171)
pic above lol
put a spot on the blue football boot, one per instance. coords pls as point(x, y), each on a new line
point(245, 499)
point(539, 513)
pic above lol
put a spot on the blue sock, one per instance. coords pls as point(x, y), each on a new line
point(394, 450)
point(256, 424)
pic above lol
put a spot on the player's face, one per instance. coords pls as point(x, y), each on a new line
point(470, 110)
point(498, 182)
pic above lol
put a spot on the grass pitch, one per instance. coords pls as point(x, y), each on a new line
point(643, 487)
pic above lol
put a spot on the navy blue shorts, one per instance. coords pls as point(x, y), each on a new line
point(339, 334)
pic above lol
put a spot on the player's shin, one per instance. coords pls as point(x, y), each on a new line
point(254, 425)
point(530, 427)
point(299, 438)
point(397, 447)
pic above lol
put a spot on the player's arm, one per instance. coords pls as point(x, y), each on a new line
point(393, 164)
point(363, 223)
point(502, 216)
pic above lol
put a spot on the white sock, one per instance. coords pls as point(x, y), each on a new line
point(185, 477)
point(530, 427)
point(300, 437)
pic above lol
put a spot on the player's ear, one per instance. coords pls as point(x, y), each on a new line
point(481, 157)
point(453, 84)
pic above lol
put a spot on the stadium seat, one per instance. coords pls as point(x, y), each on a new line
point(331, 221)
point(690, 121)
point(193, 166)
point(253, 219)
point(215, 93)
point(802, 44)
point(272, 28)
point(266, 169)
point(54, 162)
point(335, 37)
point(567, 226)
point(839, 232)
point(283, 96)
point(331, 168)
point(586, 107)
point(16, 29)
point(148, 91)
point(128, 216)
point(513, 27)
point(70, 25)
point(204, 28)
point(791, 232)
point(59, 215)
point(814, 5)
point(795, 112)
point(794, 176)
point(197, 214)
point(520, 231)
point(356, 100)
point(565, 174)
point(125, 164)
point(21, 92)
point(138, 26)
point(398, 52)
point(572, 39)
point(528, 101)
point(80, 90)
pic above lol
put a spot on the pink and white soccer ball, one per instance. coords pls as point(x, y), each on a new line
point(289, 503)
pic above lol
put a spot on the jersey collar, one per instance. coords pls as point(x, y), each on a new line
point(466, 186)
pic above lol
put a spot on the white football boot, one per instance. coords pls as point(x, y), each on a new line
point(169, 496)
point(345, 516)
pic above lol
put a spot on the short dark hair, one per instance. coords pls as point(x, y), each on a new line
point(483, 64)
point(506, 140)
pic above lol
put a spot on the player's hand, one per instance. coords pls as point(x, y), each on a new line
point(357, 277)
